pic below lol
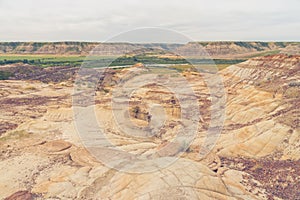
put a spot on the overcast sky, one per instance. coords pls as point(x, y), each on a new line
point(99, 20)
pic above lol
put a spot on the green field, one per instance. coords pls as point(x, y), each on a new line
point(73, 60)
point(100, 61)
point(47, 60)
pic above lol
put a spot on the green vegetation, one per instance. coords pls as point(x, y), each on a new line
point(102, 61)
point(15, 135)
point(222, 66)
point(4, 75)
point(174, 68)
point(179, 62)
point(131, 60)
point(42, 60)
point(266, 53)
point(182, 68)
point(30, 88)
point(292, 93)
point(52, 60)
point(228, 61)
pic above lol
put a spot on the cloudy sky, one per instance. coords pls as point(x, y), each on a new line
point(99, 20)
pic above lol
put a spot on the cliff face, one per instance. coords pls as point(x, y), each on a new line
point(265, 92)
point(45, 48)
point(293, 49)
point(83, 48)
point(262, 122)
point(269, 72)
point(234, 49)
point(75, 48)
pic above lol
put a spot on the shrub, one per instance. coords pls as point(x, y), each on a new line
point(292, 92)
point(4, 75)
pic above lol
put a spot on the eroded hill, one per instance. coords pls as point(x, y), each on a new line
point(256, 156)
point(215, 49)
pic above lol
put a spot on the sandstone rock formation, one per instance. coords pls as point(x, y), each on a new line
point(255, 157)
point(215, 49)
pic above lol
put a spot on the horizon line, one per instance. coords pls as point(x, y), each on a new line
point(126, 42)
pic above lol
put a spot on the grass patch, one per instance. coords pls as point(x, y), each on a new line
point(222, 66)
point(51, 60)
point(4, 75)
point(30, 88)
point(266, 53)
point(15, 135)
point(292, 93)
point(181, 68)
point(103, 61)
point(42, 60)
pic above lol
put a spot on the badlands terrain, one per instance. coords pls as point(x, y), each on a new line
point(215, 49)
point(256, 155)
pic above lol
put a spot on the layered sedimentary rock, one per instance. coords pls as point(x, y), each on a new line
point(214, 49)
point(256, 155)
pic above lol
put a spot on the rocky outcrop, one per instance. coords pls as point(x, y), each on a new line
point(57, 74)
point(76, 48)
point(262, 108)
point(255, 157)
point(291, 49)
point(20, 195)
point(231, 49)
point(214, 49)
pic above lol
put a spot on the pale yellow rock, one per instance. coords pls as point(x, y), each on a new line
point(83, 157)
point(53, 163)
point(56, 146)
point(253, 141)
